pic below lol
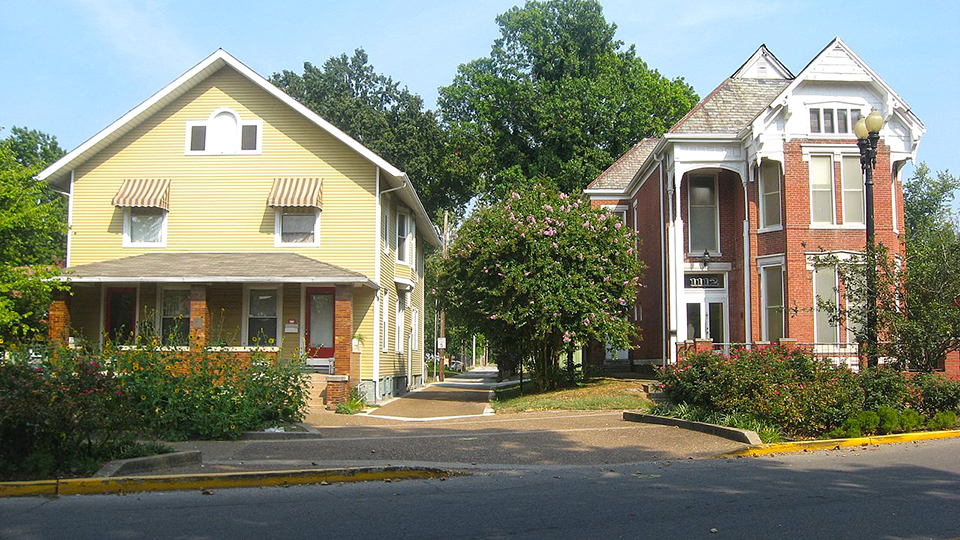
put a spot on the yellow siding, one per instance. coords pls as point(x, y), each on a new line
point(291, 311)
point(218, 203)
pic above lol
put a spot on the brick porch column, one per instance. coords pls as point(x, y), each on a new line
point(199, 317)
point(58, 322)
point(703, 345)
point(345, 374)
point(787, 343)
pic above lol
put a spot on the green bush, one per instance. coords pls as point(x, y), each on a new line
point(910, 420)
point(943, 420)
point(869, 421)
point(801, 394)
point(889, 420)
point(883, 387)
point(931, 393)
point(354, 404)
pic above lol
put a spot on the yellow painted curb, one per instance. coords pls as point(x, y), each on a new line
point(174, 482)
point(800, 446)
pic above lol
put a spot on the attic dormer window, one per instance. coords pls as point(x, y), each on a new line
point(828, 120)
point(224, 132)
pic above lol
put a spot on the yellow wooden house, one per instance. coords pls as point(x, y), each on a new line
point(222, 213)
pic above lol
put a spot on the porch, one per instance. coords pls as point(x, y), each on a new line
point(279, 303)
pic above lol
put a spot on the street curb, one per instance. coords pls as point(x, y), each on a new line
point(175, 482)
point(120, 467)
point(803, 446)
point(733, 434)
point(279, 436)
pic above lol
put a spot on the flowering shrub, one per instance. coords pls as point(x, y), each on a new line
point(806, 396)
point(542, 273)
point(72, 409)
point(800, 394)
point(208, 395)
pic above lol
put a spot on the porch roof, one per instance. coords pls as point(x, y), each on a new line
point(251, 267)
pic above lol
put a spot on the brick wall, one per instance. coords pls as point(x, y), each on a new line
point(199, 317)
point(344, 365)
point(58, 321)
point(650, 295)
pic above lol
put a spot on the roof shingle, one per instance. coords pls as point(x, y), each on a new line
point(619, 175)
point(731, 107)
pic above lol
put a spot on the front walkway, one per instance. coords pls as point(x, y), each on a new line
point(457, 397)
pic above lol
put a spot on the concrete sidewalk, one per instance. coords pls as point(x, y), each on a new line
point(465, 395)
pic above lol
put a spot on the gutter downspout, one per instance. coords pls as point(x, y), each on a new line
point(377, 309)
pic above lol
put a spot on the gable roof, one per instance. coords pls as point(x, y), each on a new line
point(762, 57)
point(620, 174)
point(207, 67)
point(731, 107)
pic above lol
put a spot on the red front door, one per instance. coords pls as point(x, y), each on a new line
point(319, 326)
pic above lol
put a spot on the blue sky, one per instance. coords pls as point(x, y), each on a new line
point(72, 67)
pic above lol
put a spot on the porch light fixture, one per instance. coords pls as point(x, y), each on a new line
point(867, 131)
point(705, 259)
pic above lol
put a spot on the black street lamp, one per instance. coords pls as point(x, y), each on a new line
point(868, 135)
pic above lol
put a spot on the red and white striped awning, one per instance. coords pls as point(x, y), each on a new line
point(145, 192)
point(296, 192)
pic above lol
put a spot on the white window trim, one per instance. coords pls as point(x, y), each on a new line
point(385, 228)
point(772, 263)
point(836, 285)
point(278, 230)
point(158, 316)
point(779, 226)
point(245, 319)
point(240, 123)
point(833, 191)
point(406, 247)
point(414, 328)
point(834, 105)
point(843, 196)
point(894, 183)
point(716, 193)
point(401, 309)
point(127, 229)
point(385, 308)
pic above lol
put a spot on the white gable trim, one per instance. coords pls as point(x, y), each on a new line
point(764, 55)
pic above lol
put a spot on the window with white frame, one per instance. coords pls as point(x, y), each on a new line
point(822, 201)
point(772, 285)
point(704, 214)
point(385, 228)
point(144, 227)
point(833, 120)
point(413, 243)
point(414, 329)
point(770, 213)
point(825, 292)
point(854, 325)
point(224, 132)
point(298, 226)
point(263, 316)
point(853, 198)
point(400, 309)
point(403, 220)
point(385, 319)
point(175, 316)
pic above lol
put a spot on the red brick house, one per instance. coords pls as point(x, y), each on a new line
point(736, 201)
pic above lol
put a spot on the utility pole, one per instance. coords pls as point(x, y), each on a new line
point(443, 314)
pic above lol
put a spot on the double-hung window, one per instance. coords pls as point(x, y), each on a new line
point(414, 329)
point(403, 220)
point(298, 226)
point(385, 320)
point(770, 194)
point(825, 292)
point(263, 308)
point(822, 203)
point(772, 285)
point(400, 309)
point(175, 317)
point(853, 199)
point(704, 215)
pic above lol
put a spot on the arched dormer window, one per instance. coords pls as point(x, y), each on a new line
point(224, 132)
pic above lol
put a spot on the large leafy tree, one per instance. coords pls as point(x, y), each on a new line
point(558, 97)
point(32, 232)
point(916, 293)
point(541, 273)
point(387, 118)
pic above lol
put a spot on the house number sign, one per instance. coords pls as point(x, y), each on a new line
point(703, 281)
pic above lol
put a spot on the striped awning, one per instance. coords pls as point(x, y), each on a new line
point(147, 192)
point(296, 192)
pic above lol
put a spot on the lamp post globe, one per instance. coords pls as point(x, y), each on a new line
point(874, 122)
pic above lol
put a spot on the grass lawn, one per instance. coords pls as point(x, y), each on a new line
point(600, 393)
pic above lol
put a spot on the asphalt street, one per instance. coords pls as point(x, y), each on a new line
point(909, 491)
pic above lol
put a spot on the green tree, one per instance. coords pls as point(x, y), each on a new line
point(32, 233)
point(916, 291)
point(558, 97)
point(387, 118)
point(541, 273)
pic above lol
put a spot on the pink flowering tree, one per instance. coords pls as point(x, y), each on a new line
point(542, 273)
